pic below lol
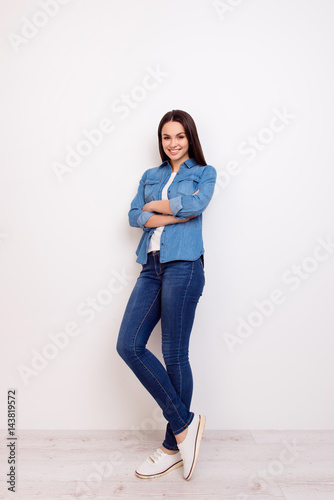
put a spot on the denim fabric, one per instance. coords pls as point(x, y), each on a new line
point(168, 291)
point(178, 241)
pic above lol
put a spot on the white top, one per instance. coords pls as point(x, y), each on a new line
point(156, 236)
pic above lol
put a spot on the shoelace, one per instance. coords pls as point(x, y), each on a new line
point(157, 455)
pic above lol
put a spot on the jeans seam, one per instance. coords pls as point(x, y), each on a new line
point(155, 267)
point(186, 424)
point(152, 374)
point(181, 326)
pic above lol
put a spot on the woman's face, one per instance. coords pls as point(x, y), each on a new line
point(174, 141)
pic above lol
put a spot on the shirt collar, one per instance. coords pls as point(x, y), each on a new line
point(188, 163)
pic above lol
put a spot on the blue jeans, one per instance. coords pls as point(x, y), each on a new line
point(168, 291)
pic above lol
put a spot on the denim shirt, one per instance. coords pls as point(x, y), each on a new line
point(179, 241)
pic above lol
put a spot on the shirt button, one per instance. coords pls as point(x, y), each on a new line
point(161, 243)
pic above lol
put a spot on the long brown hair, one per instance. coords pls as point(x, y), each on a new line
point(195, 148)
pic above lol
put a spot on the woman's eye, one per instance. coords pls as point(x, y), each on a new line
point(167, 138)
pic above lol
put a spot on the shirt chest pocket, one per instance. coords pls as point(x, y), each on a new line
point(188, 185)
point(151, 189)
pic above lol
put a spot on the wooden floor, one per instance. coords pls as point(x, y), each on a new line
point(232, 465)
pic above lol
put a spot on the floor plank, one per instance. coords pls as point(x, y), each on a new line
point(233, 465)
point(302, 436)
point(308, 491)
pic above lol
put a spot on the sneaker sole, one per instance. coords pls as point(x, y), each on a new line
point(200, 431)
point(175, 466)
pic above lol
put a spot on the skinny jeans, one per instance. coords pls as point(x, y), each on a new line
point(169, 292)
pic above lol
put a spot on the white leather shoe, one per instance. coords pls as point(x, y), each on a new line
point(158, 464)
point(189, 448)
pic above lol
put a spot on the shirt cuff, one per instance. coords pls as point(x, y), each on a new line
point(143, 218)
point(175, 205)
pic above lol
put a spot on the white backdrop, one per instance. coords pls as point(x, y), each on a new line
point(83, 87)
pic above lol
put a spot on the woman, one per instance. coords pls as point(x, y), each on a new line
point(168, 207)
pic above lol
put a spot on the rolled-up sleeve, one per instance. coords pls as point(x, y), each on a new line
point(137, 216)
point(188, 205)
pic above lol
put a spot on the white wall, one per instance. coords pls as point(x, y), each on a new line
point(64, 238)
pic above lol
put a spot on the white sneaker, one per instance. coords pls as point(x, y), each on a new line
point(158, 464)
point(189, 448)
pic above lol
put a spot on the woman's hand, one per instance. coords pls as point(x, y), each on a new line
point(164, 220)
point(176, 221)
point(160, 206)
point(148, 207)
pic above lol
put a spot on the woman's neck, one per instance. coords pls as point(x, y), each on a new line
point(176, 164)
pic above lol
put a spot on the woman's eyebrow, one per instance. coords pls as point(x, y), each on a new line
point(167, 135)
